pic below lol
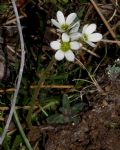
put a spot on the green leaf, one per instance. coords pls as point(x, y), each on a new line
point(65, 1)
point(50, 104)
point(3, 7)
point(77, 108)
point(83, 1)
point(65, 102)
point(6, 141)
point(16, 143)
point(56, 118)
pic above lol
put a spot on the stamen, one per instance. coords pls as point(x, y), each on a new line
point(84, 38)
point(64, 27)
point(65, 46)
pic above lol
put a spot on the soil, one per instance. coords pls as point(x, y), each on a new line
point(99, 128)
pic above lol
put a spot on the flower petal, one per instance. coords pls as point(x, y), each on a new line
point(55, 23)
point(60, 17)
point(75, 27)
point(95, 37)
point(84, 28)
point(55, 45)
point(75, 45)
point(65, 37)
point(70, 18)
point(59, 55)
point(75, 36)
point(90, 29)
point(91, 43)
point(69, 55)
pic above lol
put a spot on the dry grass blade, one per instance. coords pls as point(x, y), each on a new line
point(42, 86)
point(89, 51)
point(13, 102)
point(111, 41)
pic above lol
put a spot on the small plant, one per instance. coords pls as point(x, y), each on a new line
point(67, 113)
point(114, 71)
point(70, 37)
point(3, 7)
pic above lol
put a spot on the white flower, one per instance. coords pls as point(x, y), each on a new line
point(66, 24)
point(64, 48)
point(89, 36)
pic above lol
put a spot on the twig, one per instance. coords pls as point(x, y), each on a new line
point(13, 20)
point(53, 86)
point(104, 20)
point(114, 13)
point(4, 108)
point(89, 51)
point(110, 41)
point(42, 87)
point(116, 5)
point(13, 102)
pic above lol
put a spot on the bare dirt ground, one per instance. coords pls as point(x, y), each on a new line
point(99, 128)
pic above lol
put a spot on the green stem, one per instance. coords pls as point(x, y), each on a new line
point(21, 131)
point(91, 77)
point(42, 79)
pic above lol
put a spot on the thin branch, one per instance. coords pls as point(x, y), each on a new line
point(104, 20)
point(54, 86)
point(89, 51)
point(13, 102)
point(114, 13)
point(111, 41)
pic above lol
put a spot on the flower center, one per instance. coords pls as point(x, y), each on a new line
point(84, 37)
point(64, 27)
point(65, 46)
